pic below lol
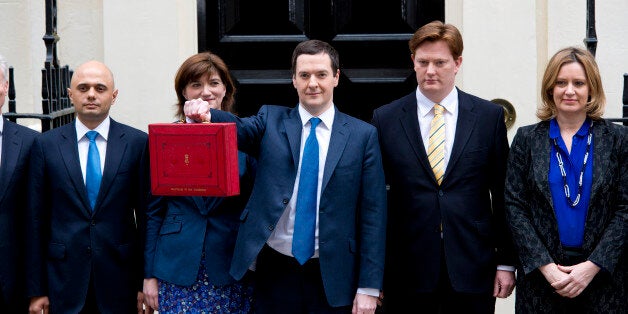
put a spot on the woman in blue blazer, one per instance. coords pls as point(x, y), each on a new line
point(190, 240)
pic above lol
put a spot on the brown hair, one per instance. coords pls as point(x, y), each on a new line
point(314, 47)
point(195, 67)
point(597, 100)
point(435, 31)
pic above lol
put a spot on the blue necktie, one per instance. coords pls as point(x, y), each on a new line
point(305, 216)
point(92, 172)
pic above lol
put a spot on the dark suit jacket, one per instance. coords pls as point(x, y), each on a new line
point(535, 230)
point(16, 145)
point(67, 243)
point(180, 230)
point(352, 211)
point(469, 202)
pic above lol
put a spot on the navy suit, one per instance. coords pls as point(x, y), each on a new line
point(68, 244)
point(182, 229)
point(16, 144)
point(469, 202)
point(352, 210)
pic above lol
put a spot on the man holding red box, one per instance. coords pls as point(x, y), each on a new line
point(314, 227)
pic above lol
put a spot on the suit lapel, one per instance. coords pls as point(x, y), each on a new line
point(337, 142)
point(116, 148)
point(540, 152)
point(11, 147)
point(410, 123)
point(464, 127)
point(602, 148)
point(293, 128)
point(68, 148)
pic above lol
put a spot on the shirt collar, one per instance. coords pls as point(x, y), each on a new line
point(450, 102)
point(102, 129)
point(326, 117)
point(1, 124)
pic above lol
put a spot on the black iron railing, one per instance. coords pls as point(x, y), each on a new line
point(623, 120)
point(591, 42)
point(56, 107)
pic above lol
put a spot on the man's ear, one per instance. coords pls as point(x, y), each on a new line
point(115, 96)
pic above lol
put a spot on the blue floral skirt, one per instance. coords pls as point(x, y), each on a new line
point(203, 297)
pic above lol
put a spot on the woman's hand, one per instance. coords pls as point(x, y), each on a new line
point(553, 274)
point(580, 276)
point(151, 293)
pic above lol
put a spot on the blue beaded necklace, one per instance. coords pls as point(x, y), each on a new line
point(584, 165)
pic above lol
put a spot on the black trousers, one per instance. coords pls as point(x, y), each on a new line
point(91, 306)
point(16, 305)
point(284, 286)
point(443, 300)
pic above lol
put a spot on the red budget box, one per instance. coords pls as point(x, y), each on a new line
point(199, 159)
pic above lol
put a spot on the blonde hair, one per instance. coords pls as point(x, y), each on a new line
point(596, 101)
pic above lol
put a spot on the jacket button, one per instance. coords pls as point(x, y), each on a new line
point(285, 201)
point(89, 250)
point(93, 222)
point(440, 193)
point(271, 227)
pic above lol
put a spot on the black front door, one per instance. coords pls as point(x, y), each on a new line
point(256, 39)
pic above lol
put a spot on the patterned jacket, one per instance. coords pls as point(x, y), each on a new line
point(530, 212)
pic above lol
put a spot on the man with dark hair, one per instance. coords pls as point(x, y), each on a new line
point(314, 227)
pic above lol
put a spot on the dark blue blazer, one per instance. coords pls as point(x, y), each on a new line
point(469, 201)
point(352, 211)
point(181, 230)
point(68, 244)
point(16, 144)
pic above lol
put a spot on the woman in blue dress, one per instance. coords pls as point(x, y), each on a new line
point(190, 239)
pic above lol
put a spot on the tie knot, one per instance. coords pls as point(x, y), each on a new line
point(438, 109)
point(314, 122)
point(91, 135)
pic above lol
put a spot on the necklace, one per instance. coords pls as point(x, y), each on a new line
point(584, 165)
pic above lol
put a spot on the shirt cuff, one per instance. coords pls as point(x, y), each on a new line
point(506, 267)
point(369, 291)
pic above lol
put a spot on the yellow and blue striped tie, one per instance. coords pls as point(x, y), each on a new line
point(436, 147)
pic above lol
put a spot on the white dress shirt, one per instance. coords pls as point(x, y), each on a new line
point(83, 143)
point(425, 112)
point(281, 238)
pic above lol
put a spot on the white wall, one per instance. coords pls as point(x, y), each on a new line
point(144, 43)
point(508, 44)
point(21, 30)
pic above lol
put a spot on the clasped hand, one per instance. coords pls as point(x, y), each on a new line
point(197, 110)
point(570, 281)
